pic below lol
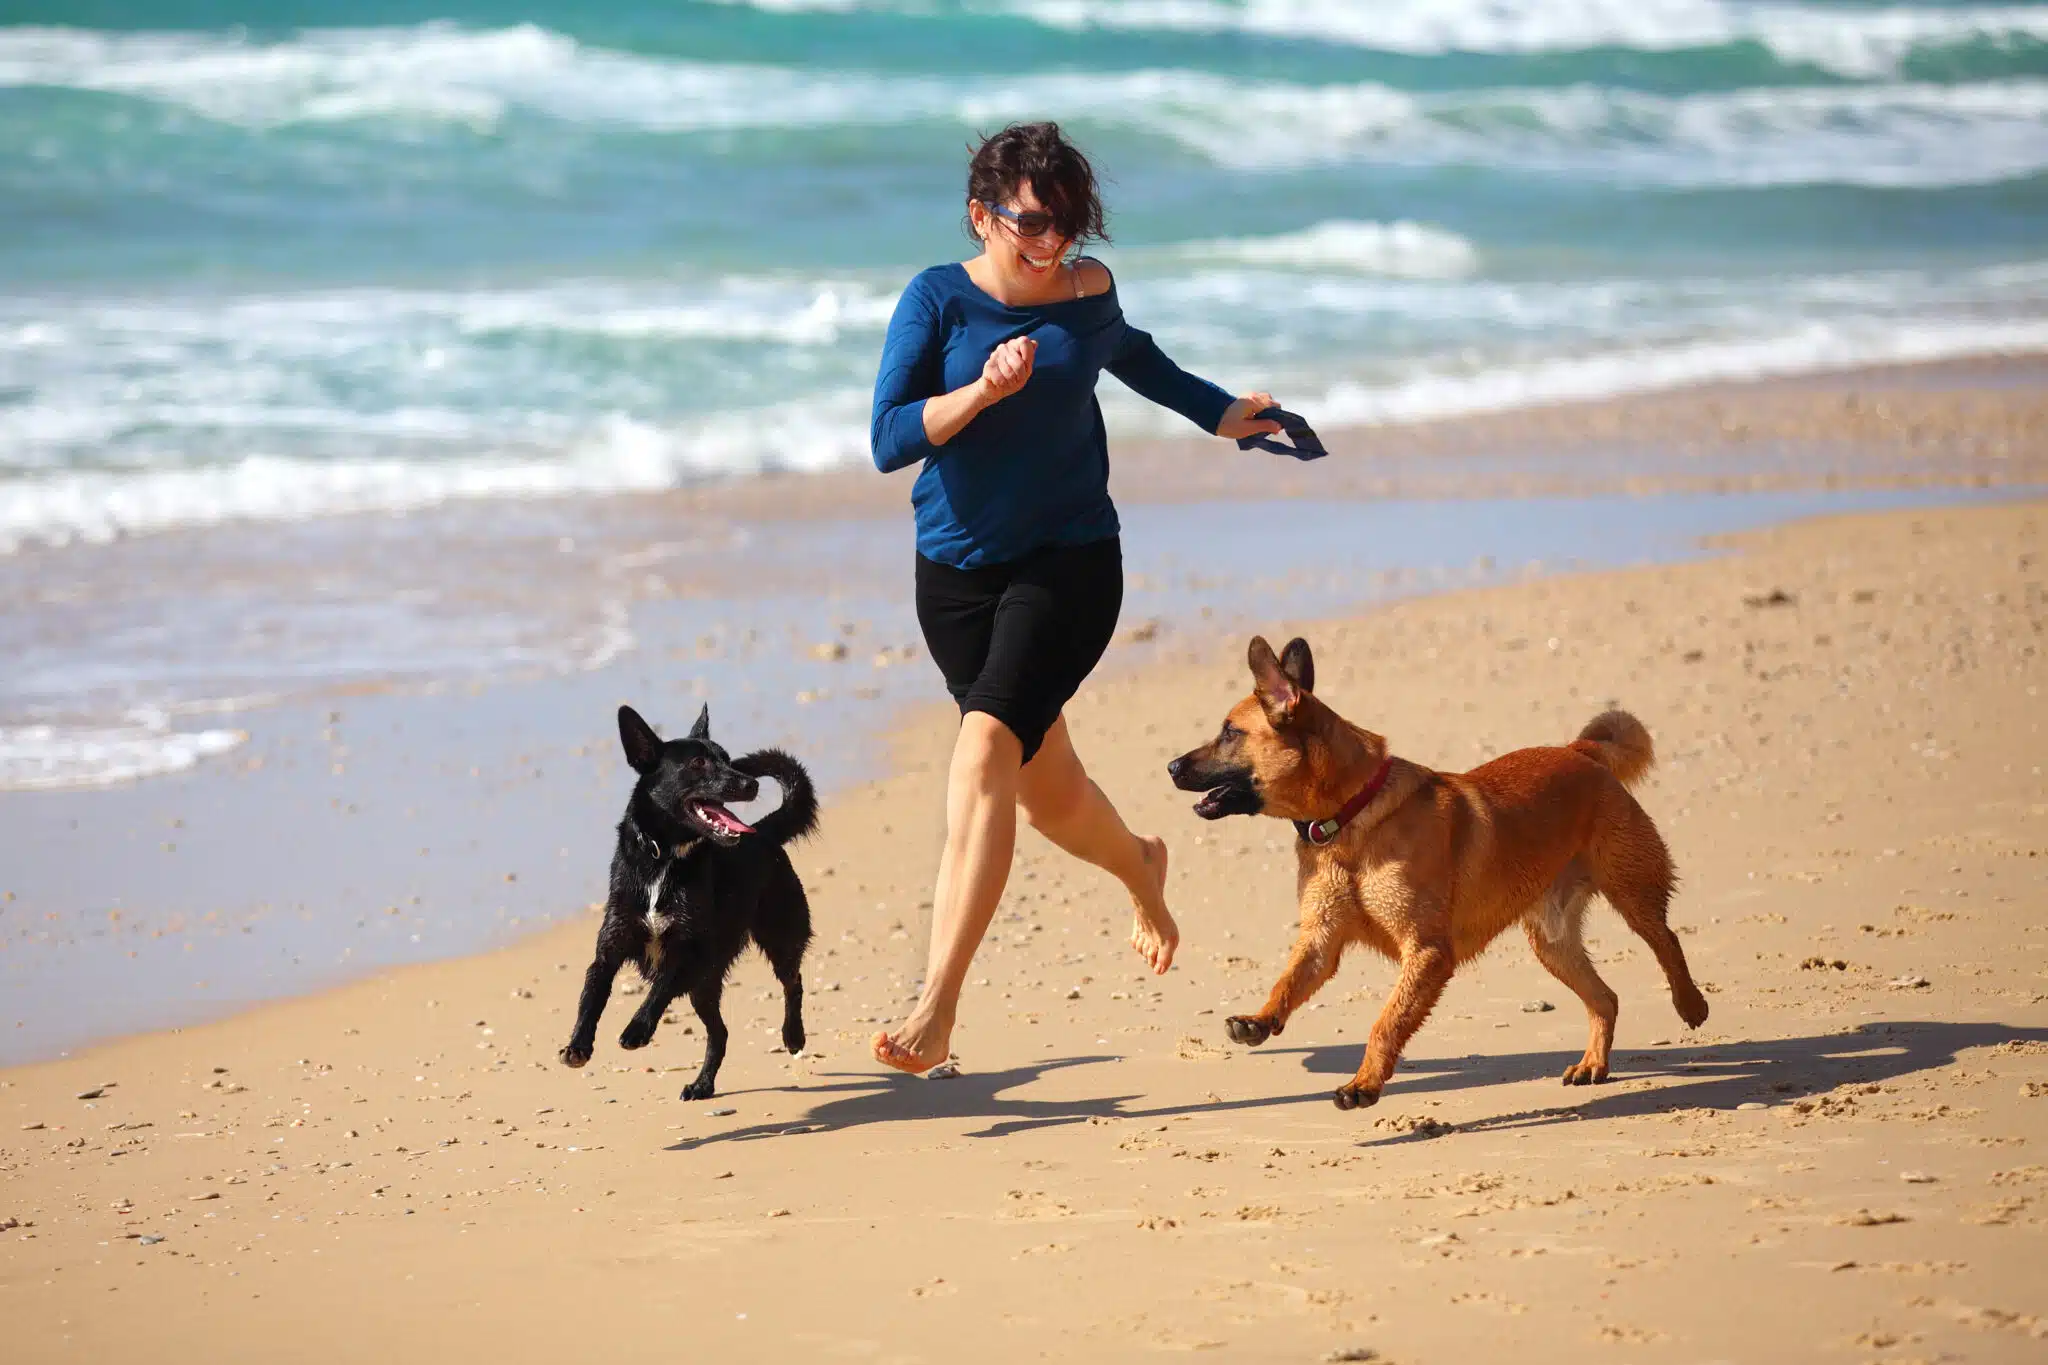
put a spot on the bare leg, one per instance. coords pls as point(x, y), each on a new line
point(1425, 970)
point(1064, 804)
point(981, 836)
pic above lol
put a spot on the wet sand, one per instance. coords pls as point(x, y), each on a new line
point(1844, 1163)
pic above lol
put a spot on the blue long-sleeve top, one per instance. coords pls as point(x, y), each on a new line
point(1032, 470)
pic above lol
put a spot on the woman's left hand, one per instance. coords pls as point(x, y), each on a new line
point(1237, 420)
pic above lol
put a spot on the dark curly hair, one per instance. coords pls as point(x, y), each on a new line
point(1038, 154)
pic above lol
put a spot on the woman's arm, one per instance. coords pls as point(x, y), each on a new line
point(1005, 371)
point(1139, 363)
point(911, 417)
point(908, 378)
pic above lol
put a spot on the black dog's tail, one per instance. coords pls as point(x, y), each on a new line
point(798, 813)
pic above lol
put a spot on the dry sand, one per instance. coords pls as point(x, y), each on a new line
point(1849, 1162)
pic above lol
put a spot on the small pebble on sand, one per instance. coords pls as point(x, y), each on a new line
point(1538, 1007)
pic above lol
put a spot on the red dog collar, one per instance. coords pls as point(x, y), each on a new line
point(1320, 832)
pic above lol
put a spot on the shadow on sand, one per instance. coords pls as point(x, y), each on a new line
point(1708, 1076)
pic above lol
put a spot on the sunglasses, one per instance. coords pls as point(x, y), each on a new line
point(1023, 224)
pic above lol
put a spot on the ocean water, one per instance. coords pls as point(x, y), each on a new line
point(265, 264)
point(273, 261)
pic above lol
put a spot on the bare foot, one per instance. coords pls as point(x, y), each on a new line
point(1153, 932)
point(915, 1050)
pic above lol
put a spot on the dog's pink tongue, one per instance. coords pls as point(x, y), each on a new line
point(727, 821)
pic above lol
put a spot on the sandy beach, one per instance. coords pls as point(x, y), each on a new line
point(268, 758)
point(388, 396)
point(1845, 1163)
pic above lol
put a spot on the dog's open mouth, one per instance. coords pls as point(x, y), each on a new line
point(1235, 797)
point(720, 823)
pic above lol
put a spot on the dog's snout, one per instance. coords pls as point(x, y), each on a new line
point(1177, 767)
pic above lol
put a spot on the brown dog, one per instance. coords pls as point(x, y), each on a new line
point(1430, 867)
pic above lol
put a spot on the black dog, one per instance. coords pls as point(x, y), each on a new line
point(691, 882)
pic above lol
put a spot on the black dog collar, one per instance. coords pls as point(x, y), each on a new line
point(653, 848)
point(1307, 445)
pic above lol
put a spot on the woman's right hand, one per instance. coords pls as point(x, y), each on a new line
point(1008, 369)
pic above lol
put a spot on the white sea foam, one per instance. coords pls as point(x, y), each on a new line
point(616, 454)
point(830, 429)
point(45, 757)
point(1902, 134)
point(1895, 135)
point(1847, 40)
point(789, 312)
point(787, 308)
point(142, 381)
point(440, 73)
point(1413, 250)
point(1802, 349)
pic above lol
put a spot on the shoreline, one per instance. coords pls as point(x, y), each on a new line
point(522, 587)
point(1975, 422)
point(903, 744)
point(366, 828)
point(1904, 666)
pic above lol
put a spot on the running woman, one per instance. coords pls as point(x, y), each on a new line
point(988, 382)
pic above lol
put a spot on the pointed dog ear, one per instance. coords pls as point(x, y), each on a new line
point(1276, 691)
point(702, 729)
point(643, 746)
point(1297, 663)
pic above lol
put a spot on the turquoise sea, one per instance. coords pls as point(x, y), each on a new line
point(270, 261)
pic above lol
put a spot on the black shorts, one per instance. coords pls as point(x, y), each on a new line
point(1017, 640)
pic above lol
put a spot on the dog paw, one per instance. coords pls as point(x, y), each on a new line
point(700, 1089)
point(1355, 1097)
point(1584, 1073)
point(636, 1035)
point(1692, 1008)
point(573, 1055)
point(1248, 1030)
point(793, 1040)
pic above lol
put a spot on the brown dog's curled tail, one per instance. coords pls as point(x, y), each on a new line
point(1619, 741)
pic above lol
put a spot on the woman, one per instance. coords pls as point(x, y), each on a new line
point(988, 379)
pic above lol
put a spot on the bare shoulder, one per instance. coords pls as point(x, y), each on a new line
point(1091, 277)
